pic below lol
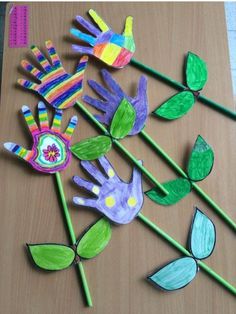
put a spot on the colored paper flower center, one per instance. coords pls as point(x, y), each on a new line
point(110, 201)
point(132, 201)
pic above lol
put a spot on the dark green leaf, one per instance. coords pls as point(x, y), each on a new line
point(123, 120)
point(95, 239)
point(92, 148)
point(51, 256)
point(201, 160)
point(176, 106)
point(177, 189)
point(196, 72)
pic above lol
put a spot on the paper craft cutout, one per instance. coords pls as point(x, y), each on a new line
point(117, 200)
point(111, 48)
point(180, 272)
point(94, 239)
point(177, 189)
point(179, 104)
point(92, 148)
point(51, 148)
point(54, 256)
point(200, 164)
point(123, 120)
point(121, 124)
point(60, 89)
point(201, 160)
point(113, 96)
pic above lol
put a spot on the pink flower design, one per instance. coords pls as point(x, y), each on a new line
point(51, 153)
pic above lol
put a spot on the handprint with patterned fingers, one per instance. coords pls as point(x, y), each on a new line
point(112, 97)
point(117, 200)
point(113, 49)
point(60, 89)
point(51, 148)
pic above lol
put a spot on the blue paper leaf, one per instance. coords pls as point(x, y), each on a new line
point(202, 236)
point(176, 274)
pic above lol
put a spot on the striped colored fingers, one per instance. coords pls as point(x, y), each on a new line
point(41, 59)
point(71, 127)
point(43, 116)
point(31, 69)
point(53, 54)
point(27, 84)
point(56, 124)
point(29, 119)
point(18, 150)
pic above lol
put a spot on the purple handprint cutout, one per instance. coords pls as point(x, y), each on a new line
point(112, 97)
point(117, 200)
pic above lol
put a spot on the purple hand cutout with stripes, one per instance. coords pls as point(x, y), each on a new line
point(117, 200)
point(51, 148)
point(111, 98)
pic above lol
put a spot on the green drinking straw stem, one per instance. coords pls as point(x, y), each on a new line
point(180, 86)
point(123, 149)
point(179, 247)
point(73, 239)
point(174, 165)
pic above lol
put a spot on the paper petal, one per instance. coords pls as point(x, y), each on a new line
point(176, 106)
point(123, 120)
point(201, 160)
point(196, 72)
point(95, 239)
point(177, 189)
point(92, 148)
point(202, 237)
point(176, 274)
point(51, 256)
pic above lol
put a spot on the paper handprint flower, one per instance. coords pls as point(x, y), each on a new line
point(117, 200)
point(113, 49)
point(113, 96)
point(51, 148)
point(60, 89)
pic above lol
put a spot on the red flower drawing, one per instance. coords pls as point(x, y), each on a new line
point(51, 153)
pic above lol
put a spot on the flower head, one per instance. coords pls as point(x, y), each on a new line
point(113, 49)
point(51, 148)
point(112, 97)
point(117, 200)
point(59, 88)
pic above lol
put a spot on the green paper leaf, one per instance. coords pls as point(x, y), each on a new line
point(176, 106)
point(51, 256)
point(201, 160)
point(196, 72)
point(177, 189)
point(123, 120)
point(94, 239)
point(92, 148)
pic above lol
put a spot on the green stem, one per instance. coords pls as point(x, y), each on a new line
point(180, 86)
point(175, 166)
point(123, 149)
point(73, 238)
point(179, 247)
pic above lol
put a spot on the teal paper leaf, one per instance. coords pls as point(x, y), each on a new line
point(201, 160)
point(202, 236)
point(92, 148)
point(94, 239)
point(176, 274)
point(51, 256)
point(196, 72)
point(123, 120)
point(177, 189)
point(176, 106)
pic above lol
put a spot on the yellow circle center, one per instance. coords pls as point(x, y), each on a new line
point(132, 201)
point(110, 201)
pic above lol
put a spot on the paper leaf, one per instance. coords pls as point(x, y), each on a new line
point(196, 72)
point(123, 120)
point(176, 106)
point(95, 239)
point(176, 274)
point(92, 148)
point(202, 236)
point(51, 256)
point(201, 160)
point(177, 189)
